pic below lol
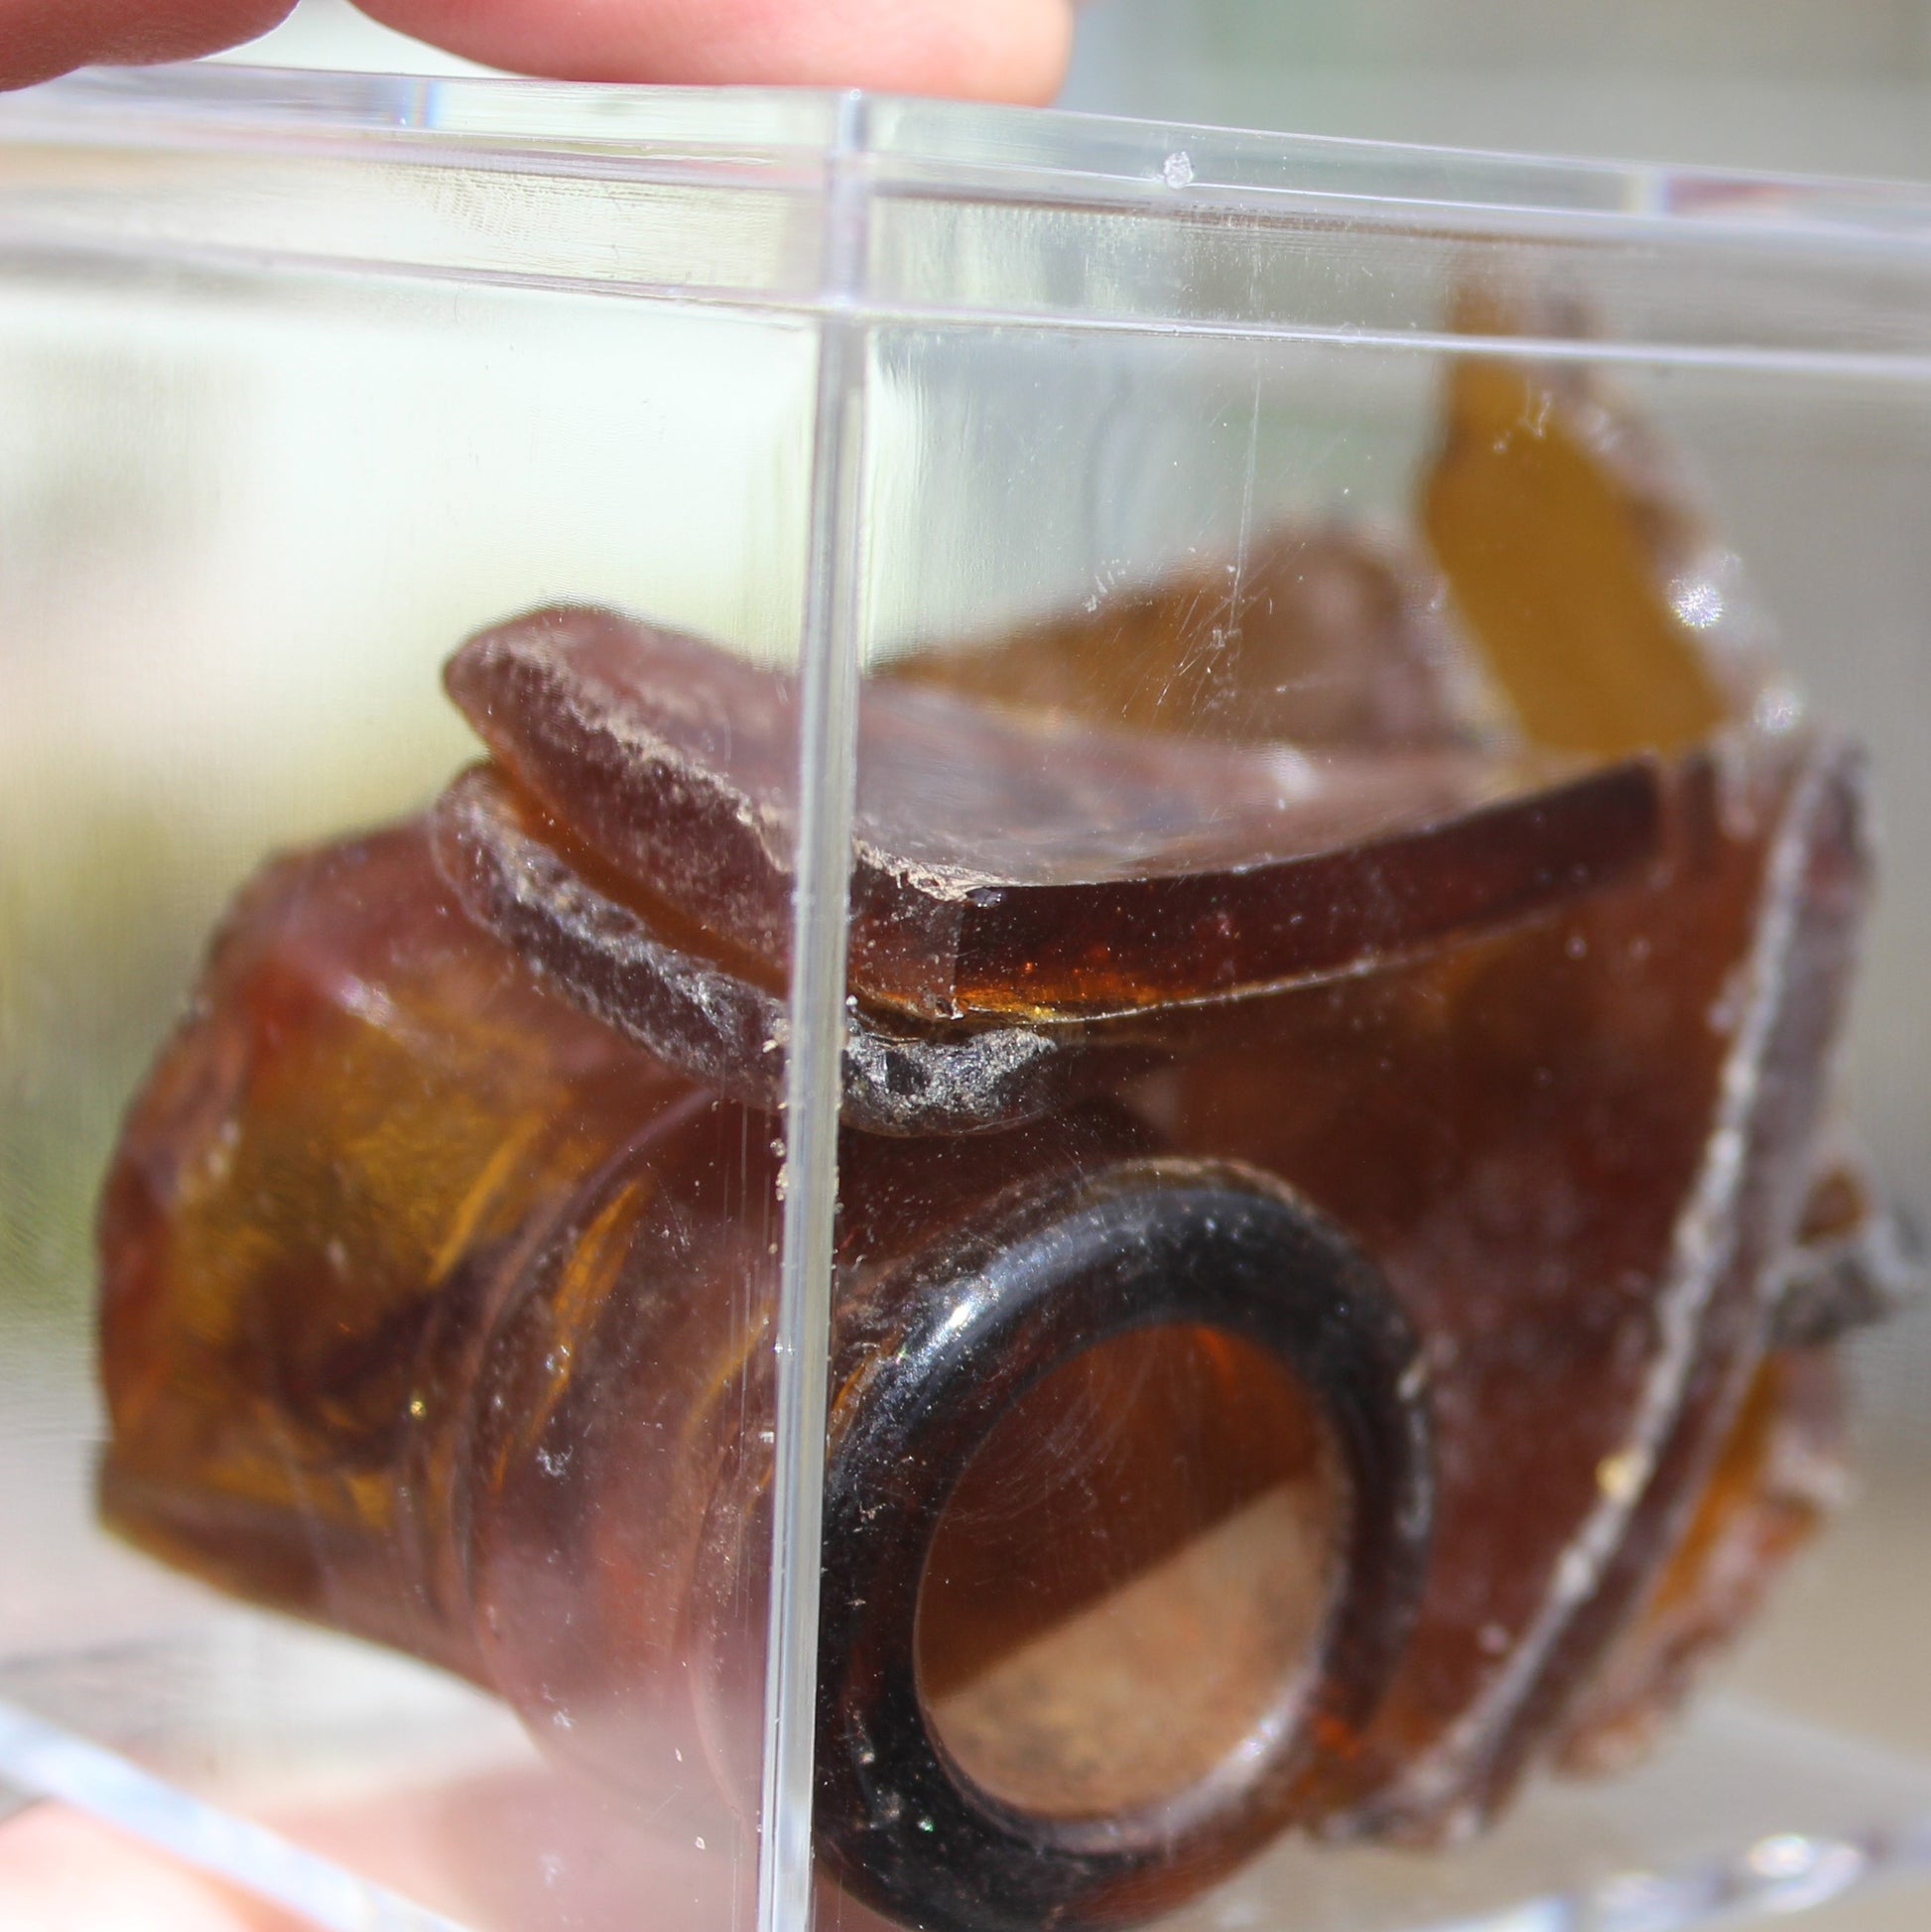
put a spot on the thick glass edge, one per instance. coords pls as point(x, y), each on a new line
point(1041, 155)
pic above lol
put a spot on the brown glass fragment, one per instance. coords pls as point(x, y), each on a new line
point(516, 875)
point(1525, 1132)
point(1782, 1474)
point(1315, 637)
point(1586, 578)
point(1314, 1406)
point(1783, 1471)
point(434, 1307)
point(436, 1310)
point(1008, 868)
point(1034, 1659)
point(395, 1231)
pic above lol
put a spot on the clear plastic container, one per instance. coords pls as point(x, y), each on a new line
point(1144, 905)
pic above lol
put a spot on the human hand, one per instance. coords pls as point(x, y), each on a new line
point(986, 50)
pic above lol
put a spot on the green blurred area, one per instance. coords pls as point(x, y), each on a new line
point(88, 958)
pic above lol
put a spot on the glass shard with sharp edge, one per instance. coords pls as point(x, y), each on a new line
point(1009, 865)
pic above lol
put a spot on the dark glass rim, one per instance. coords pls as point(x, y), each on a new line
point(1038, 1282)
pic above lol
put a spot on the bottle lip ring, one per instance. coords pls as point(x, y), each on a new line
point(1040, 1279)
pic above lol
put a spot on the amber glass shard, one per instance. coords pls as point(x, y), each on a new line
point(518, 875)
point(1784, 1469)
point(437, 1312)
point(1314, 636)
point(1232, 1429)
point(1334, 1246)
point(1531, 1133)
point(367, 1110)
point(1007, 867)
point(1048, 1609)
point(1586, 578)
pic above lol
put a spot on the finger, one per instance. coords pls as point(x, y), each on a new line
point(985, 49)
point(60, 1872)
point(42, 37)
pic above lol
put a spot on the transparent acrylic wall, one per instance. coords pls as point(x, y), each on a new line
point(1245, 472)
point(952, 467)
point(256, 491)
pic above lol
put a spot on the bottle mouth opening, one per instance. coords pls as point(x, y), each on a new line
point(1129, 1591)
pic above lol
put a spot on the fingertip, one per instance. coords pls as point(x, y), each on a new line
point(1019, 52)
point(979, 49)
point(40, 39)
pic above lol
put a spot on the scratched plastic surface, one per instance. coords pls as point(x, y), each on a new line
point(1097, 1128)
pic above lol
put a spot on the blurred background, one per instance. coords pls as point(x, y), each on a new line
point(1833, 87)
point(1820, 85)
